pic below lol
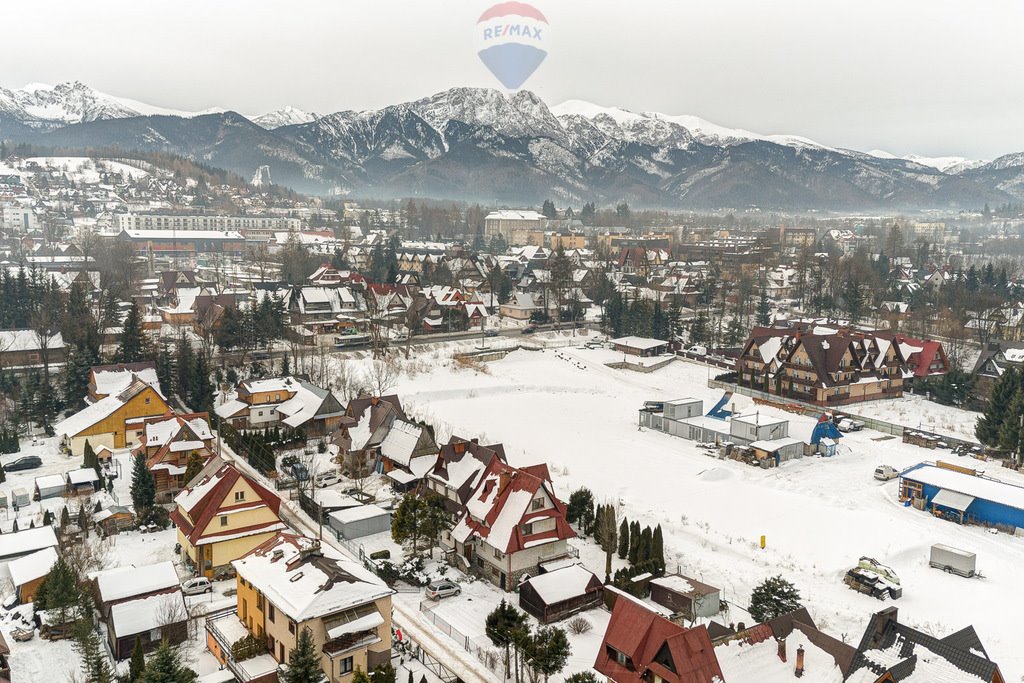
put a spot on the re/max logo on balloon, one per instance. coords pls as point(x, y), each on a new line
point(511, 40)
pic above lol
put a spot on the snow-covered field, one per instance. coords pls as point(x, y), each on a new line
point(86, 170)
point(916, 412)
point(564, 407)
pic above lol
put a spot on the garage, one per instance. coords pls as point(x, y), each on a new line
point(357, 522)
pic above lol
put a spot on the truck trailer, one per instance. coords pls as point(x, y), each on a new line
point(953, 560)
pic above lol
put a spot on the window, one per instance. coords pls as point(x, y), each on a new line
point(223, 520)
point(239, 496)
point(345, 666)
point(291, 627)
point(538, 503)
point(271, 613)
point(147, 400)
point(497, 553)
point(527, 529)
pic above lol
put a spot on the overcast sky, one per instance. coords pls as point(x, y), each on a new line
point(930, 77)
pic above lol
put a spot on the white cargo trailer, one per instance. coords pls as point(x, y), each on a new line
point(953, 560)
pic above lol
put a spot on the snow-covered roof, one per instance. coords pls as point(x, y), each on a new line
point(31, 567)
point(183, 235)
point(772, 445)
point(139, 616)
point(91, 414)
point(114, 381)
point(642, 343)
point(321, 583)
point(514, 215)
point(84, 475)
point(562, 584)
point(400, 443)
point(27, 541)
point(50, 481)
point(741, 661)
point(357, 513)
point(127, 582)
point(230, 408)
point(27, 340)
point(979, 487)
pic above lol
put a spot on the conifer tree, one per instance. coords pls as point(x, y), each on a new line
point(83, 520)
point(65, 518)
point(304, 661)
point(658, 547)
point(166, 667)
point(643, 552)
point(997, 410)
point(143, 488)
point(774, 597)
point(193, 466)
point(132, 345)
point(623, 539)
point(137, 664)
point(634, 542)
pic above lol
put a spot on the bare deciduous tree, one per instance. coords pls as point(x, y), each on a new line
point(382, 375)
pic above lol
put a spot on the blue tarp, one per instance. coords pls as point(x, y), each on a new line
point(825, 428)
point(719, 412)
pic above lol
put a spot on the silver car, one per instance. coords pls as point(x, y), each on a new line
point(443, 589)
point(197, 586)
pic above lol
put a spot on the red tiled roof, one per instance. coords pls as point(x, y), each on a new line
point(640, 634)
point(213, 503)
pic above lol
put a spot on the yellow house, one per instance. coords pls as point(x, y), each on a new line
point(290, 583)
point(221, 516)
point(116, 421)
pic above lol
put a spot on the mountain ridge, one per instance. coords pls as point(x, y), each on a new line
point(481, 144)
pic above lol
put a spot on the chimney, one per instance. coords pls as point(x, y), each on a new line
point(475, 440)
point(781, 642)
point(799, 671)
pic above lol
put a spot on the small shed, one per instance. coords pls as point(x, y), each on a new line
point(560, 593)
point(357, 522)
point(50, 486)
point(774, 452)
point(83, 481)
point(152, 619)
point(114, 519)
point(20, 497)
point(103, 453)
point(28, 572)
point(403, 481)
point(644, 347)
point(686, 596)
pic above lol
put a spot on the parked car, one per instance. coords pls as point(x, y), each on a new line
point(490, 333)
point(197, 586)
point(848, 425)
point(529, 329)
point(698, 350)
point(886, 472)
point(443, 589)
point(299, 471)
point(29, 462)
point(400, 337)
point(325, 479)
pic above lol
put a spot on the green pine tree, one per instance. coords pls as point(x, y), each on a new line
point(643, 552)
point(137, 664)
point(997, 410)
point(132, 345)
point(634, 542)
point(772, 598)
point(658, 548)
point(143, 488)
point(304, 661)
point(623, 539)
point(165, 666)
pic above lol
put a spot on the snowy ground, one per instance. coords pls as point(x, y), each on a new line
point(86, 170)
point(916, 412)
point(564, 407)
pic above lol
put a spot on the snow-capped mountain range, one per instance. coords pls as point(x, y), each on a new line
point(481, 144)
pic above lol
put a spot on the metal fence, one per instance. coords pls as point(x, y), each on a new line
point(481, 648)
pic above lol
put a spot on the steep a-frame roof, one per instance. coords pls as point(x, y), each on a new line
point(501, 506)
point(654, 645)
point(206, 497)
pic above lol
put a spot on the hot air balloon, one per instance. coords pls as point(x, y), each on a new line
point(511, 39)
